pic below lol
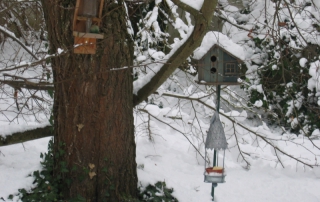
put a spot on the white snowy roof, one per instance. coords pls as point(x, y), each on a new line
point(217, 38)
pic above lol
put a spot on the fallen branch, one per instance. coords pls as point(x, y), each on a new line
point(26, 136)
point(28, 85)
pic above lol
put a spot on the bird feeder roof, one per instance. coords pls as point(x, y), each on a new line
point(216, 138)
point(220, 40)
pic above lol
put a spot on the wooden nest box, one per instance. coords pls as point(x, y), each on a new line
point(86, 23)
point(218, 67)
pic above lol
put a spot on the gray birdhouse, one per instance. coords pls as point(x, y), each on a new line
point(218, 67)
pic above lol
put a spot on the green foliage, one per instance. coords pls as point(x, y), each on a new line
point(158, 193)
point(50, 92)
point(160, 105)
point(282, 80)
point(79, 198)
point(45, 184)
point(284, 83)
point(108, 183)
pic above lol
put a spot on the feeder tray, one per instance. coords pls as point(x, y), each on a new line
point(214, 178)
point(214, 175)
point(215, 169)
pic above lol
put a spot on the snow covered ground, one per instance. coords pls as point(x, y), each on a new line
point(171, 159)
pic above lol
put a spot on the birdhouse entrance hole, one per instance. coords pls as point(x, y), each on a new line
point(213, 70)
point(213, 58)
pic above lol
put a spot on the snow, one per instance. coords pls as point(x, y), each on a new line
point(314, 81)
point(196, 4)
point(17, 162)
point(60, 51)
point(157, 65)
point(171, 159)
point(275, 67)
point(303, 62)
point(212, 38)
point(7, 130)
point(5, 30)
point(141, 58)
point(159, 58)
point(258, 103)
point(317, 4)
point(153, 17)
point(257, 88)
point(174, 152)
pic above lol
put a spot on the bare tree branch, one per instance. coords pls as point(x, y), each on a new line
point(240, 151)
point(265, 139)
point(147, 112)
point(11, 35)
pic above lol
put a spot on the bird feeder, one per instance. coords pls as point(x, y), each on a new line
point(218, 67)
point(215, 147)
point(86, 22)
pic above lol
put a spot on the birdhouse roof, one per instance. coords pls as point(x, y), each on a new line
point(219, 40)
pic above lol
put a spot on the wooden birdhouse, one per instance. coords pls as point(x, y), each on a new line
point(218, 67)
point(86, 23)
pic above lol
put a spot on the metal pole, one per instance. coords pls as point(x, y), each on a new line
point(218, 89)
point(214, 164)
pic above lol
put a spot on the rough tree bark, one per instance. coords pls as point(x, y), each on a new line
point(94, 134)
point(94, 137)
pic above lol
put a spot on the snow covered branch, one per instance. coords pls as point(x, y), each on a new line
point(178, 55)
point(186, 7)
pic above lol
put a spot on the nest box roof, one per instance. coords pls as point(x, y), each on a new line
point(219, 40)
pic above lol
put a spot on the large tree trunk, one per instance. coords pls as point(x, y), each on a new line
point(94, 135)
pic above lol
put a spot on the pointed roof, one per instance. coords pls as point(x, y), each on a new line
point(216, 138)
point(216, 39)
